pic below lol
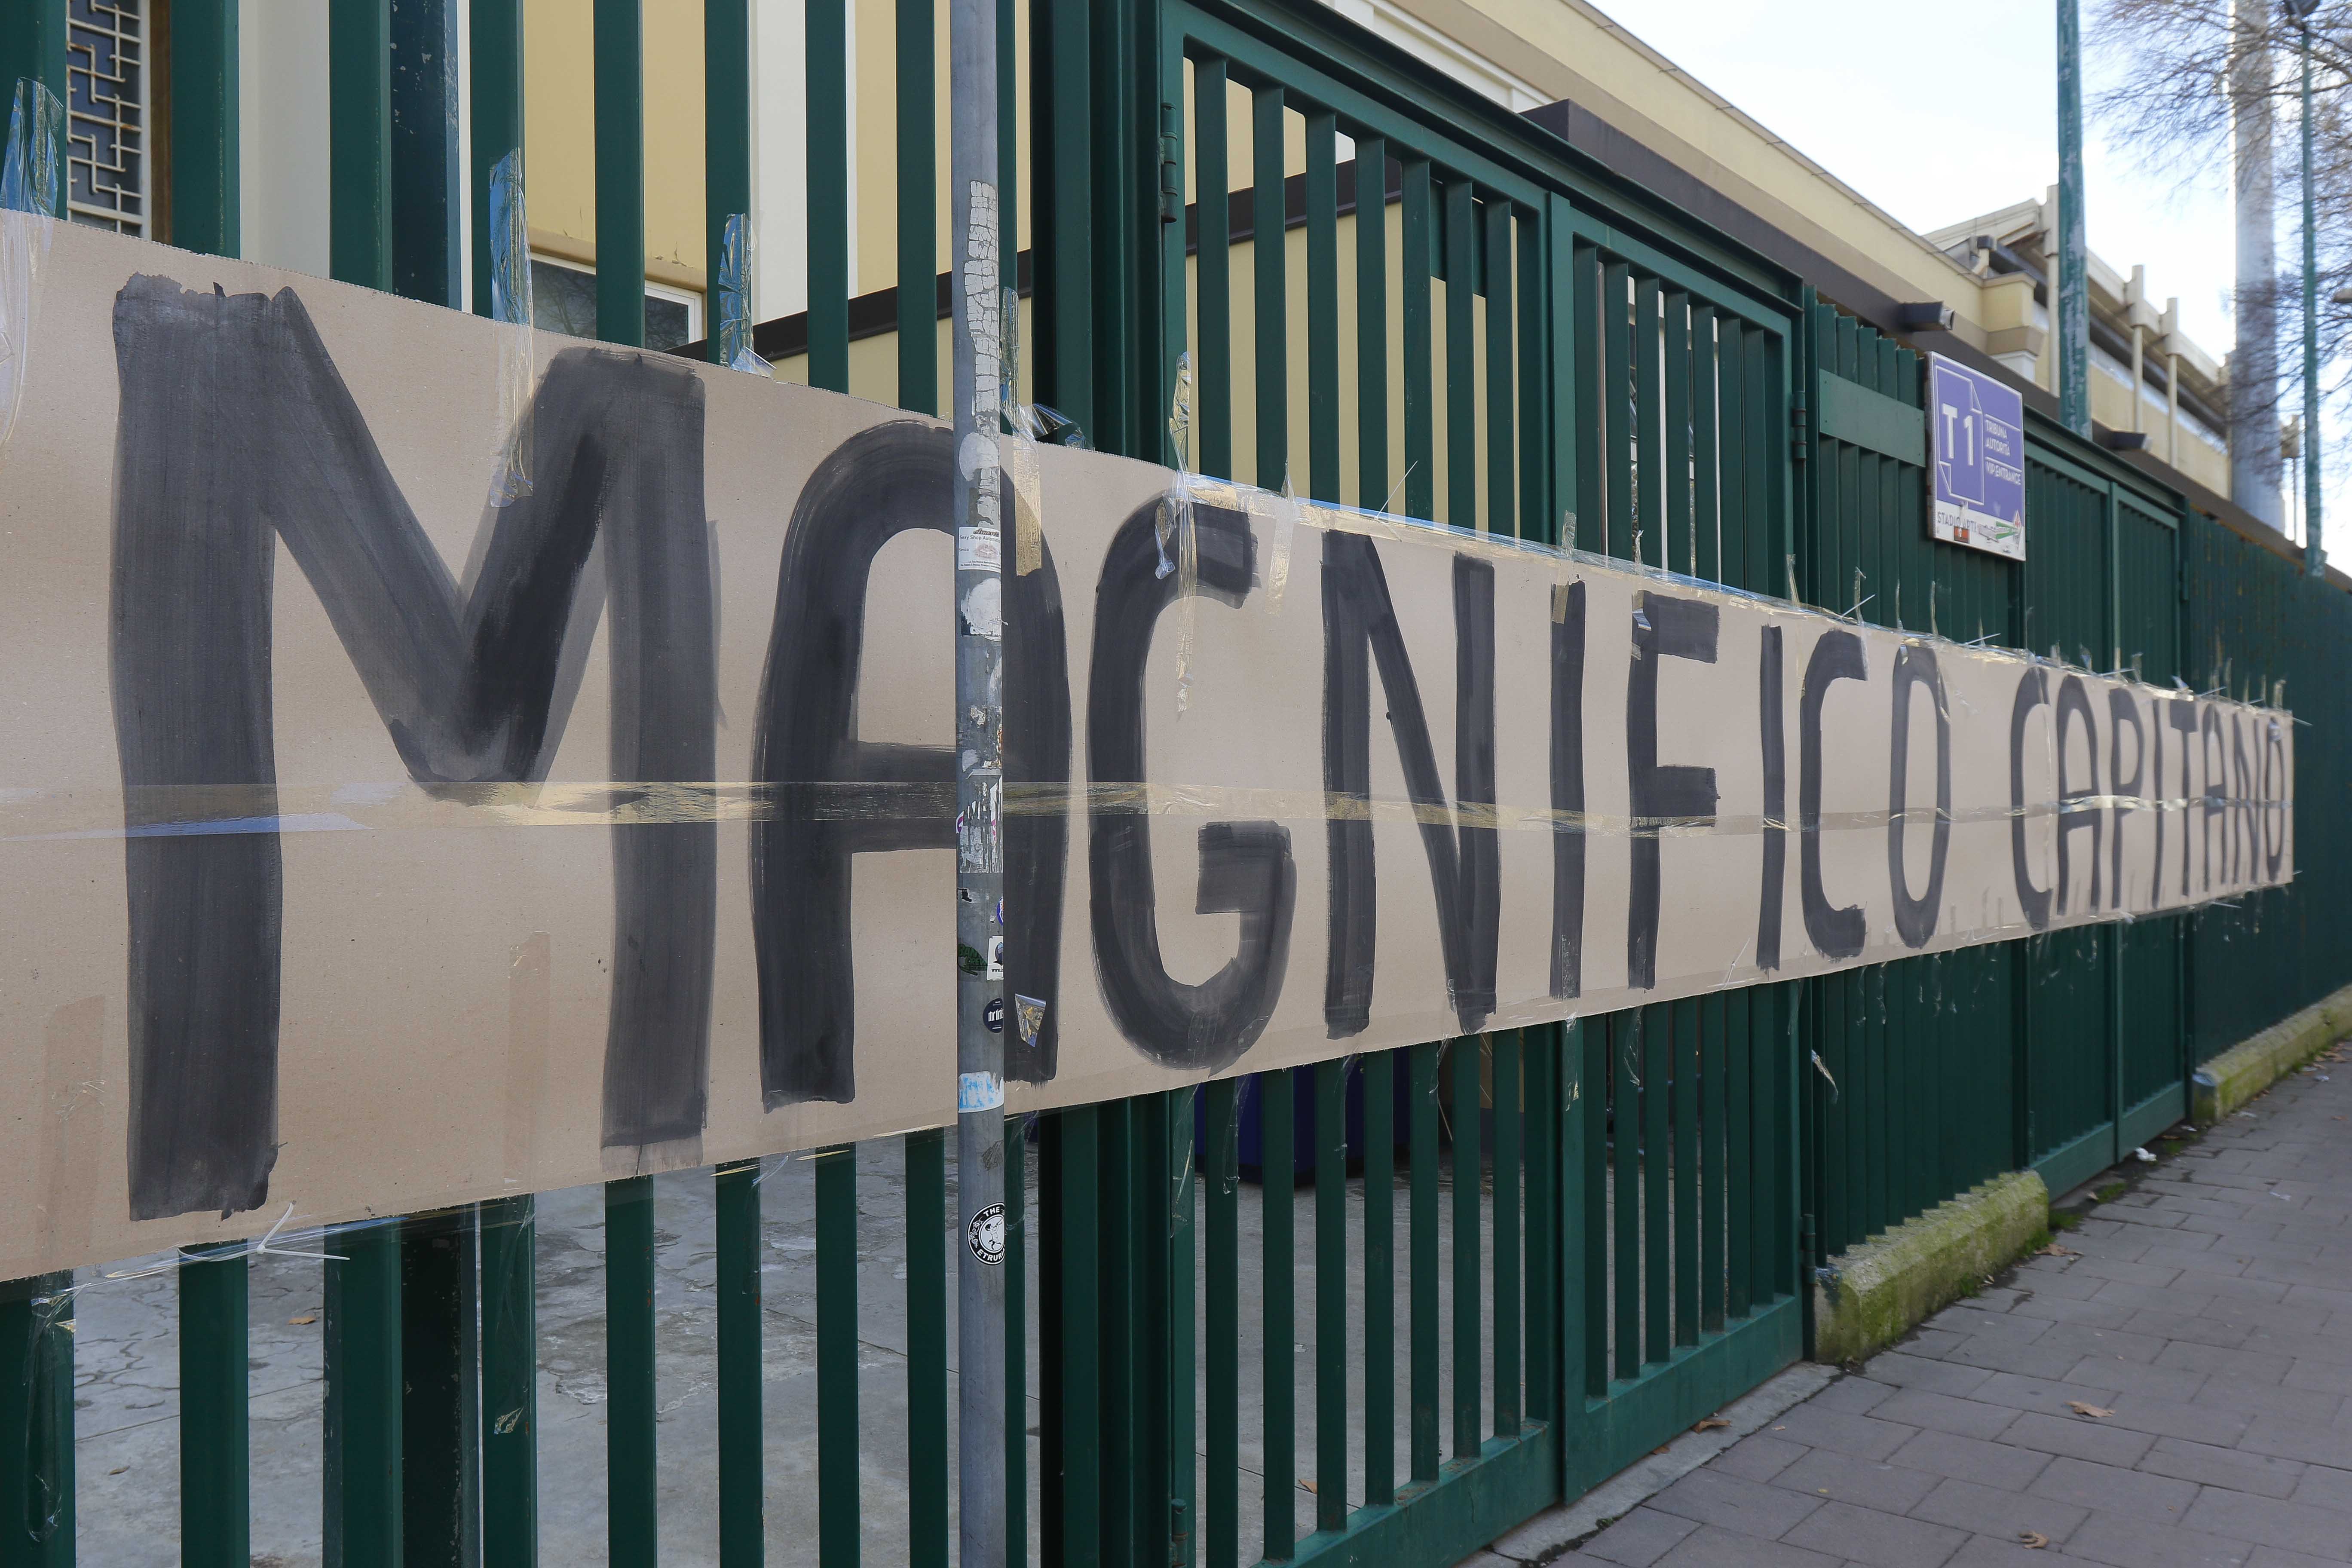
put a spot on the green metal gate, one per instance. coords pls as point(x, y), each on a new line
point(1544, 1251)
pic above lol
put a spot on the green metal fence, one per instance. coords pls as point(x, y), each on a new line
point(1439, 1287)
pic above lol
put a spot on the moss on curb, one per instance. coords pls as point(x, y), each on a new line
point(2251, 1065)
point(1872, 1295)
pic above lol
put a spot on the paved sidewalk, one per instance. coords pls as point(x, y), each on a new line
point(2172, 1393)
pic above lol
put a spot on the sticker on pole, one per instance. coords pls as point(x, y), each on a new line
point(977, 1092)
point(985, 1235)
point(1976, 456)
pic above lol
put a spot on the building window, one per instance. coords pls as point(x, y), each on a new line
point(564, 300)
point(107, 97)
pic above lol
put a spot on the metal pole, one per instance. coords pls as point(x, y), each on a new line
point(2314, 557)
point(974, 230)
point(2074, 271)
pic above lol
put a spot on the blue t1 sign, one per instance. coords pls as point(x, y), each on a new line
point(1976, 451)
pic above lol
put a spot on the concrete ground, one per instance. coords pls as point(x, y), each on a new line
point(127, 1374)
point(2170, 1389)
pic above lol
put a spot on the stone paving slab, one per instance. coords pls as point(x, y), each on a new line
point(2206, 1316)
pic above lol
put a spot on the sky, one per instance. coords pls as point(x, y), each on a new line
point(1938, 111)
point(1941, 110)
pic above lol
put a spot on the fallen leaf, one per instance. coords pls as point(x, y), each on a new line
point(2093, 1411)
point(2032, 1540)
point(1659, 1449)
point(1711, 1424)
point(305, 1318)
point(2054, 1251)
point(118, 1469)
point(1305, 1486)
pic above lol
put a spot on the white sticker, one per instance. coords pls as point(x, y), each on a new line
point(980, 550)
point(985, 1235)
point(983, 609)
point(977, 1092)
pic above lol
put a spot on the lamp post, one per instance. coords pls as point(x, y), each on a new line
point(2314, 557)
point(2073, 312)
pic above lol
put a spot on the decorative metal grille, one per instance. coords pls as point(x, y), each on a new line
point(107, 151)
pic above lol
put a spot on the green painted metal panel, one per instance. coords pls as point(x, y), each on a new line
point(918, 190)
point(1867, 416)
point(928, 1273)
point(440, 1413)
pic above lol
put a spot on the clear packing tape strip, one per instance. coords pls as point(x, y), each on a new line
point(29, 201)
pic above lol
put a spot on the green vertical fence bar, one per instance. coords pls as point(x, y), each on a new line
point(1322, 190)
point(1380, 1273)
point(838, 1497)
point(726, 193)
point(629, 1442)
point(1016, 1341)
point(1582, 416)
point(1706, 520)
point(927, 1348)
point(620, 172)
point(1469, 1318)
point(1741, 1088)
point(1625, 1177)
point(1461, 357)
point(427, 191)
point(1675, 549)
point(510, 1379)
point(827, 65)
point(1713, 1185)
point(1502, 507)
point(1548, 1243)
point(359, 143)
point(1371, 327)
point(1331, 1293)
point(1616, 536)
point(919, 320)
point(1222, 1315)
point(1180, 1164)
point(206, 188)
point(33, 45)
point(1268, 215)
point(742, 1509)
point(1657, 1082)
point(629, 1436)
point(1509, 1140)
point(1650, 482)
point(1419, 221)
point(726, 142)
point(1275, 1153)
point(440, 1397)
point(493, 72)
point(1685, 1015)
point(37, 1414)
point(361, 1509)
point(1421, 1265)
point(1213, 356)
point(215, 1453)
point(1587, 1142)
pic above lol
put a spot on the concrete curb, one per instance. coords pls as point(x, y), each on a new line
point(1873, 1294)
point(1553, 1533)
point(2251, 1065)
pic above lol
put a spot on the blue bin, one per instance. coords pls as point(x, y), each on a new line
point(1303, 1123)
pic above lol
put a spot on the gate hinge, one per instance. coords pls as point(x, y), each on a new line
point(1171, 167)
point(1799, 430)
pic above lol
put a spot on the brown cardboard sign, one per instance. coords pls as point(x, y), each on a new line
point(381, 838)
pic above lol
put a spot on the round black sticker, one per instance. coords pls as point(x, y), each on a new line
point(986, 1235)
point(993, 1014)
